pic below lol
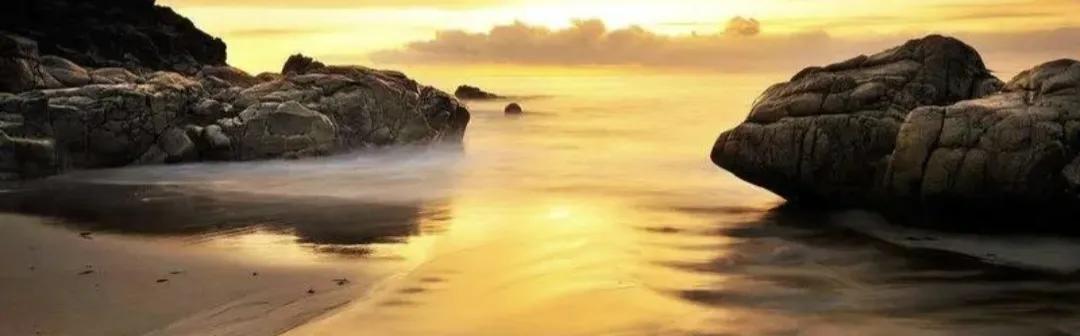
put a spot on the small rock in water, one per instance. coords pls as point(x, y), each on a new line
point(466, 92)
point(311, 291)
point(254, 273)
point(86, 235)
point(513, 109)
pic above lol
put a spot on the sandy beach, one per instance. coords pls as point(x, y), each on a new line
point(57, 281)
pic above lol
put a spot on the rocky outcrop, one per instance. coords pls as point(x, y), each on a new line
point(59, 113)
point(920, 125)
point(166, 117)
point(133, 34)
point(466, 92)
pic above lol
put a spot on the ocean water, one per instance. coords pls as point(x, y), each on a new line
point(595, 213)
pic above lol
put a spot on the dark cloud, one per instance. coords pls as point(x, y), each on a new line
point(740, 26)
point(590, 42)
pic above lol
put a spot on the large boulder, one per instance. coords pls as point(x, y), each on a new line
point(274, 130)
point(922, 125)
point(1016, 148)
point(20, 65)
point(826, 135)
point(369, 107)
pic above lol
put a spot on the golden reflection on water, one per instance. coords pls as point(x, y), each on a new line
point(555, 223)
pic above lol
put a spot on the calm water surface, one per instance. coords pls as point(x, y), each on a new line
point(596, 213)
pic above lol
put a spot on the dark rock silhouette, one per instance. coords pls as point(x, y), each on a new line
point(299, 64)
point(922, 125)
point(135, 34)
point(61, 114)
point(466, 92)
point(513, 109)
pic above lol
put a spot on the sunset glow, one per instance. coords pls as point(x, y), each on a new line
point(338, 31)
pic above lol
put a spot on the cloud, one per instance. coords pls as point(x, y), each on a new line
point(739, 26)
point(590, 42)
point(739, 48)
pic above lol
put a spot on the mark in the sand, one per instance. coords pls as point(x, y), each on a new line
point(86, 235)
point(162, 280)
point(254, 273)
point(178, 272)
point(32, 268)
point(412, 290)
point(432, 279)
point(341, 282)
point(86, 272)
point(397, 303)
point(311, 291)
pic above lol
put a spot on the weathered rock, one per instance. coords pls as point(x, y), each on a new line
point(369, 107)
point(65, 72)
point(274, 130)
point(232, 76)
point(167, 117)
point(158, 91)
point(466, 92)
point(1016, 147)
point(113, 33)
point(26, 158)
point(923, 125)
point(826, 135)
point(299, 64)
point(113, 76)
point(20, 66)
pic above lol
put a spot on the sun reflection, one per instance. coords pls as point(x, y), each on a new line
point(559, 213)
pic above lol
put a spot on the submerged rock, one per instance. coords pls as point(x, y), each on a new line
point(922, 125)
point(513, 109)
point(466, 92)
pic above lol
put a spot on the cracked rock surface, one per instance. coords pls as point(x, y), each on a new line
point(924, 124)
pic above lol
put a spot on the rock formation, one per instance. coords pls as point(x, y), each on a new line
point(922, 125)
point(466, 92)
point(58, 114)
point(133, 34)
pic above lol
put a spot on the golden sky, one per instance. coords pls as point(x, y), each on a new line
point(687, 33)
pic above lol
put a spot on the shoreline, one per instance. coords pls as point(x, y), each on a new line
point(56, 281)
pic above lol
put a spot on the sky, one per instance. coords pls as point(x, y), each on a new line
point(695, 35)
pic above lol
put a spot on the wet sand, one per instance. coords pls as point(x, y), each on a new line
point(55, 281)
